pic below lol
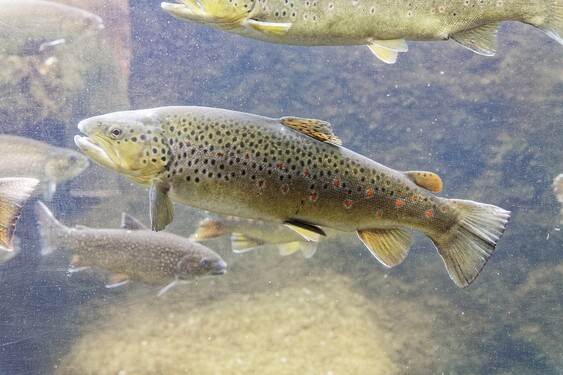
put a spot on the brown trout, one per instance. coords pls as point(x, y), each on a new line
point(132, 252)
point(24, 157)
point(382, 25)
point(14, 192)
point(249, 234)
point(293, 171)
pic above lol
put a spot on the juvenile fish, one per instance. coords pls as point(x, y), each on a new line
point(249, 234)
point(382, 25)
point(14, 192)
point(24, 157)
point(30, 27)
point(288, 170)
point(130, 253)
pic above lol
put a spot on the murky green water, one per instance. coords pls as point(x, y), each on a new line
point(489, 126)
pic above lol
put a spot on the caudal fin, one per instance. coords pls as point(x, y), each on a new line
point(467, 246)
point(48, 228)
point(552, 23)
point(14, 192)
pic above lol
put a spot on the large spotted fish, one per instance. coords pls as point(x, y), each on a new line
point(288, 170)
point(382, 25)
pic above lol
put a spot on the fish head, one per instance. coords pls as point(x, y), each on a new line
point(227, 15)
point(64, 164)
point(129, 142)
point(206, 263)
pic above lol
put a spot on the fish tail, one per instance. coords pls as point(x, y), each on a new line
point(466, 247)
point(13, 194)
point(552, 22)
point(208, 229)
point(49, 227)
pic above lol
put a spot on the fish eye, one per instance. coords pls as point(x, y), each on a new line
point(205, 263)
point(115, 132)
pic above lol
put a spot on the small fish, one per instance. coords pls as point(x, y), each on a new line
point(558, 191)
point(130, 253)
point(249, 234)
point(382, 25)
point(289, 170)
point(24, 157)
point(31, 27)
point(14, 192)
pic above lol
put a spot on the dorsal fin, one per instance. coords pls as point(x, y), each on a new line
point(427, 180)
point(129, 222)
point(318, 129)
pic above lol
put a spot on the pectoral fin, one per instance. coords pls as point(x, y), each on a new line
point(481, 40)
point(49, 190)
point(161, 210)
point(388, 50)
point(241, 243)
point(318, 129)
point(427, 180)
point(389, 246)
point(77, 264)
point(116, 280)
point(308, 231)
point(274, 28)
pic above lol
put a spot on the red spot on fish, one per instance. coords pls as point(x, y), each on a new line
point(220, 154)
point(284, 188)
point(429, 213)
point(306, 173)
point(369, 193)
point(313, 197)
point(279, 165)
point(414, 198)
point(348, 203)
point(399, 203)
point(336, 182)
point(226, 178)
point(187, 143)
point(261, 183)
point(379, 214)
point(246, 157)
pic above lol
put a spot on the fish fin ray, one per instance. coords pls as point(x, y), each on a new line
point(553, 22)
point(466, 248)
point(427, 180)
point(481, 40)
point(289, 248)
point(274, 28)
point(171, 285)
point(161, 210)
point(78, 264)
point(389, 246)
point(318, 129)
point(384, 54)
point(397, 45)
point(241, 243)
point(308, 231)
point(49, 190)
point(308, 249)
point(207, 229)
point(15, 192)
point(49, 227)
point(131, 223)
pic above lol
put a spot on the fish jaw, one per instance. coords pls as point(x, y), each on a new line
point(208, 263)
point(219, 14)
point(98, 154)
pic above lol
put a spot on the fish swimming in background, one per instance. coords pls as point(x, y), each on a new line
point(382, 25)
point(289, 170)
point(130, 253)
point(31, 27)
point(24, 157)
point(558, 190)
point(14, 192)
point(249, 234)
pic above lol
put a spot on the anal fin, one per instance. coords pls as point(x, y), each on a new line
point(481, 40)
point(389, 246)
point(274, 28)
point(388, 50)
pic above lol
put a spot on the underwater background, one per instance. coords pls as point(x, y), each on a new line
point(491, 127)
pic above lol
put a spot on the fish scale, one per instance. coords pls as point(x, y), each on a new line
point(289, 170)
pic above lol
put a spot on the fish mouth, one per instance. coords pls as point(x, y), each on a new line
point(221, 268)
point(98, 153)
